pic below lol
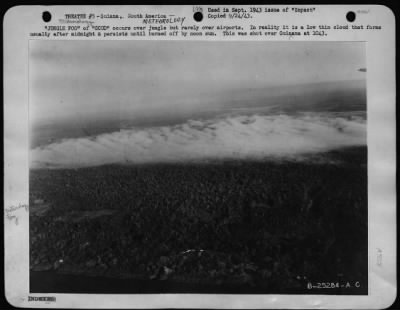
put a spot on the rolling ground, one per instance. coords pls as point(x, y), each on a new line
point(233, 226)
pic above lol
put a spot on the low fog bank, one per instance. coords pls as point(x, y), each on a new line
point(337, 96)
point(228, 137)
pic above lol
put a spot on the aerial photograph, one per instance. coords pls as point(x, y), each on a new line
point(223, 167)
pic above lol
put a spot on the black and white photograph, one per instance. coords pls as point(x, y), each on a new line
point(209, 167)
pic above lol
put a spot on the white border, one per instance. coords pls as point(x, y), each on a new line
point(20, 20)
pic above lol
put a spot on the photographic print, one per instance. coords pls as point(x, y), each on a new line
point(236, 167)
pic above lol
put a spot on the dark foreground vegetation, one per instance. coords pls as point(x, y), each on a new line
point(269, 226)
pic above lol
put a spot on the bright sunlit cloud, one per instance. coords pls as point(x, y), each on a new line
point(233, 137)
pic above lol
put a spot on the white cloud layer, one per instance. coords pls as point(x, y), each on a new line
point(233, 137)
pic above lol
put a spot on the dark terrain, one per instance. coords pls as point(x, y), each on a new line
point(218, 227)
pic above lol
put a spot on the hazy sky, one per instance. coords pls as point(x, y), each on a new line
point(89, 79)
